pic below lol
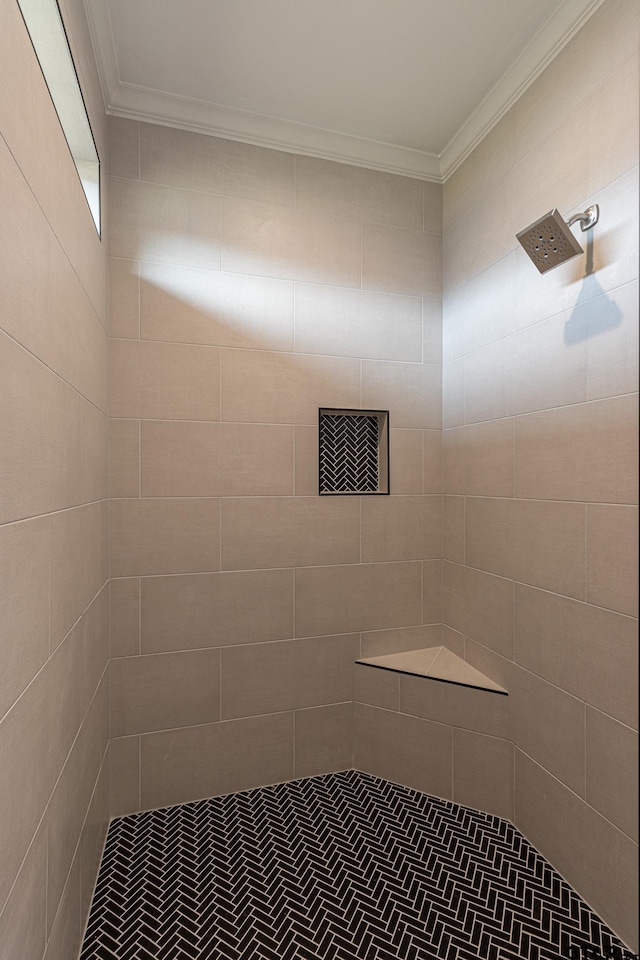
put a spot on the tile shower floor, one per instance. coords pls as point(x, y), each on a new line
point(341, 867)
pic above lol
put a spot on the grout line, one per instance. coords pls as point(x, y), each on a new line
point(293, 603)
point(220, 396)
point(57, 780)
point(293, 440)
point(453, 761)
point(585, 752)
point(293, 741)
point(139, 285)
point(67, 383)
point(586, 552)
point(49, 579)
point(139, 616)
point(139, 459)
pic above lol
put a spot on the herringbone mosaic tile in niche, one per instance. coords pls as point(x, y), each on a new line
point(349, 460)
point(338, 867)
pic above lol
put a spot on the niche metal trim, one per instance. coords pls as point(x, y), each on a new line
point(353, 452)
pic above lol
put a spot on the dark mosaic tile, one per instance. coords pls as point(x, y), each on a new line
point(339, 867)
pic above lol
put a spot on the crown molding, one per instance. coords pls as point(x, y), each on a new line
point(559, 29)
point(141, 103)
point(101, 34)
point(154, 106)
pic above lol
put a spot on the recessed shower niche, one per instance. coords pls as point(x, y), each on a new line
point(353, 451)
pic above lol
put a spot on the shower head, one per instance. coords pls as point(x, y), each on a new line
point(549, 242)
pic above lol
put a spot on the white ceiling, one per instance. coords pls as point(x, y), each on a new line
point(403, 85)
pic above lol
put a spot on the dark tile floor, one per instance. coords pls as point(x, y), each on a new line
point(339, 867)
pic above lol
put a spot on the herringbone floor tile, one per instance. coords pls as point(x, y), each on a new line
point(339, 867)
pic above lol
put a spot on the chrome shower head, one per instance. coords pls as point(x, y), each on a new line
point(549, 242)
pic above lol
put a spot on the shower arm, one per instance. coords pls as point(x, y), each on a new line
point(587, 219)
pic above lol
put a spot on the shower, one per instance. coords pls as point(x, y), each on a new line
point(549, 242)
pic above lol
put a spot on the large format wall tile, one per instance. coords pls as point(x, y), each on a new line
point(453, 532)
point(431, 330)
point(24, 248)
point(590, 652)
point(289, 532)
point(357, 323)
point(540, 404)
point(180, 459)
point(272, 241)
point(77, 341)
point(215, 758)
point(124, 148)
point(406, 462)
point(368, 596)
point(614, 106)
point(454, 705)
point(124, 298)
point(323, 739)
point(215, 398)
point(403, 749)
point(548, 725)
point(124, 458)
point(24, 605)
point(53, 480)
point(592, 854)
point(79, 563)
point(612, 359)
point(94, 453)
point(395, 260)
point(124, 760)
point(191, 305)
point(610, 749)
point(346, 191)
point(262, 387)
point(478, 459)
point(411, 392)
point(215, 609)
point(71, 797)
point(124, 618)
point(164, 381)
point(402, 528)
point(537, 368)
point(272, 677)
point(483, 773)
point(612, 557)
point(480, 606)
point(39, 437)
point(227, 168)
point(535, 541)
point(164, 536)
point(154, 222)
point(581, 452)
point(23, 930)
point(164, 691)
point(378, 688)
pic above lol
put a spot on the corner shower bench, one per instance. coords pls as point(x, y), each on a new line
point(435, 663)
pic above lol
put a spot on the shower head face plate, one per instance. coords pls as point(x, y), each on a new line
point(549, 241)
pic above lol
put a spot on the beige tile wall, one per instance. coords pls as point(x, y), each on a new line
point(540, 457)
point(248, 288)
point(54, 601)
